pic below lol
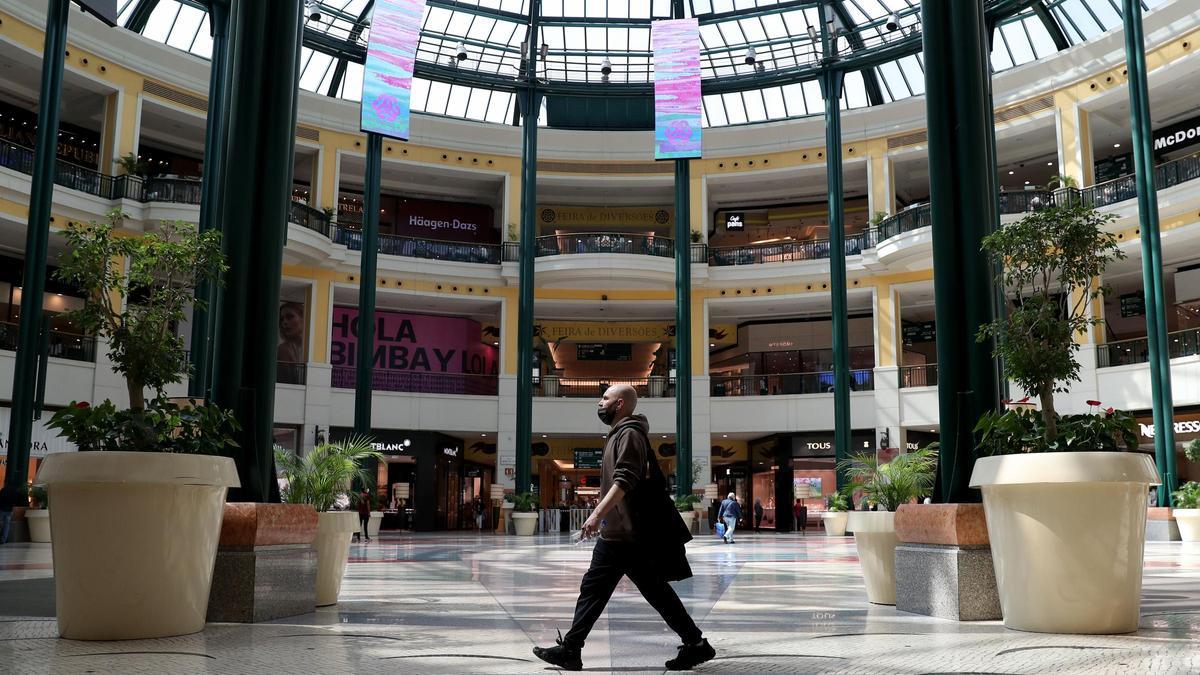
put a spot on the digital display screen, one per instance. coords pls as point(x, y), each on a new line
point(388, 72)
point(604, 351)
point(677, 113)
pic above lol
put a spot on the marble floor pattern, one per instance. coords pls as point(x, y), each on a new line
point(454, 603)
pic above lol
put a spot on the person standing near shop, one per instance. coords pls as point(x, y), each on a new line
point(729, 513)
point(758, 515)
point(10, 498)
point(641, 536)
point(364, 513)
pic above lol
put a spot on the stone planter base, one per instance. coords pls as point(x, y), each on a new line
point(266, 564)
point(944, 564)
point(1161, 525)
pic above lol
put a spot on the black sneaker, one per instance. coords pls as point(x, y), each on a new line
point(561, 655)
point(691, 656)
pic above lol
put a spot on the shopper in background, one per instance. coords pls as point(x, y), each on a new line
point(729, 513)
point(10, 498)
point(364, 513)
point(758, 515)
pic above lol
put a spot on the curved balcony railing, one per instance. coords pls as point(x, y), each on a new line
point(1130, 352)
point(786, 251)
point(416, 382)
point(429, 249)
point(788, 383)
point(924, 375)
point(594, 387)
point(604, 242)
point(62, 345)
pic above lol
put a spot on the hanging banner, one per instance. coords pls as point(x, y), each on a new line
point(387, 78)
point(676, 46)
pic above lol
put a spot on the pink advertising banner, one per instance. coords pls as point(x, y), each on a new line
point(677, 113)
point(388, 73)
point(415, 343)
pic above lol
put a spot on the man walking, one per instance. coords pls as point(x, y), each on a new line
point(627, 464)
point(729, 513)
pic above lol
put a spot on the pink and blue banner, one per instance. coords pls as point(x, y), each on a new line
point(676, 46)
point(387, 79)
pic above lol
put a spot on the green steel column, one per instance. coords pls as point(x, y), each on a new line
point(365, 359)
point(831, 88)
point(37, 233)
point(964, 209)
point(203, 319)
point(1152, 275)
point(531, 103)
point(683, 329)
point(256, 176)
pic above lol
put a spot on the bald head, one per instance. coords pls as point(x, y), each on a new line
point(619, 400)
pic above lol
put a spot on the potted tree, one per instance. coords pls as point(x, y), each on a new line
point(524, 514)
point(38, 516)
point(1185, 500)
point(1065, 506)
point(686, 506)
point(322, 478)
point(137, 512)
point(837, 507)
point(906, 478)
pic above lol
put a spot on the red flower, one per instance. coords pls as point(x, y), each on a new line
point(1024, 400)
point(83, 404)
point(1110, 411)
point(1093, 403)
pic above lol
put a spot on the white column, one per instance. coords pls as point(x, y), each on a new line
point(506, 433)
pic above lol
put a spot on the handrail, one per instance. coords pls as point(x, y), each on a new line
point(343, 377)
point(922, 375)
point(786, 251)
point(604, 242)
point(594, 387)
point(413, 247)
point(63, 345)
point(784, 384)
point(1137, 350)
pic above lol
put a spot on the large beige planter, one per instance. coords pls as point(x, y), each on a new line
point(373, 524)
point(525, 523)
point(835, 523)
point(876, 541)
point(38, 521)
point(1188, 521)
point(689, 519)
point(334, 530)
point(134, 538)
point(1067, 531)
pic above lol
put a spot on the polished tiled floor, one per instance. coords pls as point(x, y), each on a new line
point(458, 604)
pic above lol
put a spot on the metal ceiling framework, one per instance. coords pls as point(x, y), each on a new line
point(575, 38)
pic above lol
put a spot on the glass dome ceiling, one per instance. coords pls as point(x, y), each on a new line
point(883, 63)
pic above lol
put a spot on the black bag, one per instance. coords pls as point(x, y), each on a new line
point(658, 529)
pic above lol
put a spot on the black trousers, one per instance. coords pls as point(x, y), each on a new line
point(612, 560)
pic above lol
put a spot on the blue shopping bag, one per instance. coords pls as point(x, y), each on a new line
point(721, 530)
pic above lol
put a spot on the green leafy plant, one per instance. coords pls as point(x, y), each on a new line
point(686, 502)
point(1061, 181)
point(1023, 430)
point(326, 473)
point(839, 501)
point(906, 478)
point(1048, 260)
point(160, 426)
point(877, 218)
point(1187, 496)
point(512, 233)
point(137, 310)
point(133, 165)
point(1192, 450)
point(697, 236)
point(524, 502)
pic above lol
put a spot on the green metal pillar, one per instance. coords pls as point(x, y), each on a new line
point(1152, 275)
point(962, 172)
point(365, 359)
point(531, 102)
point(683, 329)
point(203, 316)
point(37, 234)
point(831, 88)
point(256, 176)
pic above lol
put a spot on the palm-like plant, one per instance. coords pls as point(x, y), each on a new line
point(326, 473)
point(907, 477)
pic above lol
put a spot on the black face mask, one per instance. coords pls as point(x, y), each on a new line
point(606, 415)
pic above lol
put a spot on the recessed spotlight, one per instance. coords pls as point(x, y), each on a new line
point(1116, 145)
point(1011, 172)
point(1027, 182)
point(1049, 163)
